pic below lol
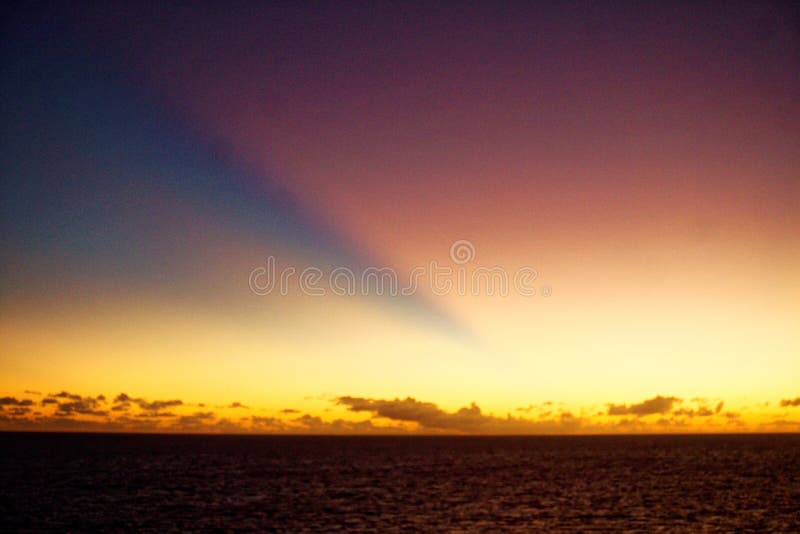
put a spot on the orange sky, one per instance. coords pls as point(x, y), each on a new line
point(644, 165)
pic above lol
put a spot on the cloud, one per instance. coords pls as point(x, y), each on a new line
point(17, 411)
point(790, 403)
point(12, 401)
point(267, 424)
point(65, 395)
point(122, 397)
point(308, 424)
point(157, 404)
point(782, 425)
point(702, 411)
point(195, 419)
point(69, 411)
point(734, 418)
point(78, 405)
point(657, 404)
point(123, 402)
point(155, 415)
point(469, 419)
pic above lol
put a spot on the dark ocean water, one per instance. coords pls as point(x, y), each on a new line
point(127, 482)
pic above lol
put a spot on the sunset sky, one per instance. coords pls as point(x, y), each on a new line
point(642, 159)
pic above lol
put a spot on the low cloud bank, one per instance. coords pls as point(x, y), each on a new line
point(66, 411)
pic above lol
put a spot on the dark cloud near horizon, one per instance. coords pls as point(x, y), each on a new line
point(65, 395)
point(790, 403)
point(196, 419)
point(656, 405)
point(155, 415)
point(76, 404)
point(702, 411)
point(17, 411)
point(64, 410)
point(469, 419)
point(316, 425)
point(258, 420)
point(13, 401)
point(158, 404)
point(123, 402)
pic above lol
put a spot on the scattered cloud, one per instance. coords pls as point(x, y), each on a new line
point(70, 411)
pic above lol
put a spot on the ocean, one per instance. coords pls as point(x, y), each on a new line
point(91, 482)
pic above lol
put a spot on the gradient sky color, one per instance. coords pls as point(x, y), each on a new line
point(644, 159)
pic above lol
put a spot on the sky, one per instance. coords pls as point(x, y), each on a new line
point(397, 218)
